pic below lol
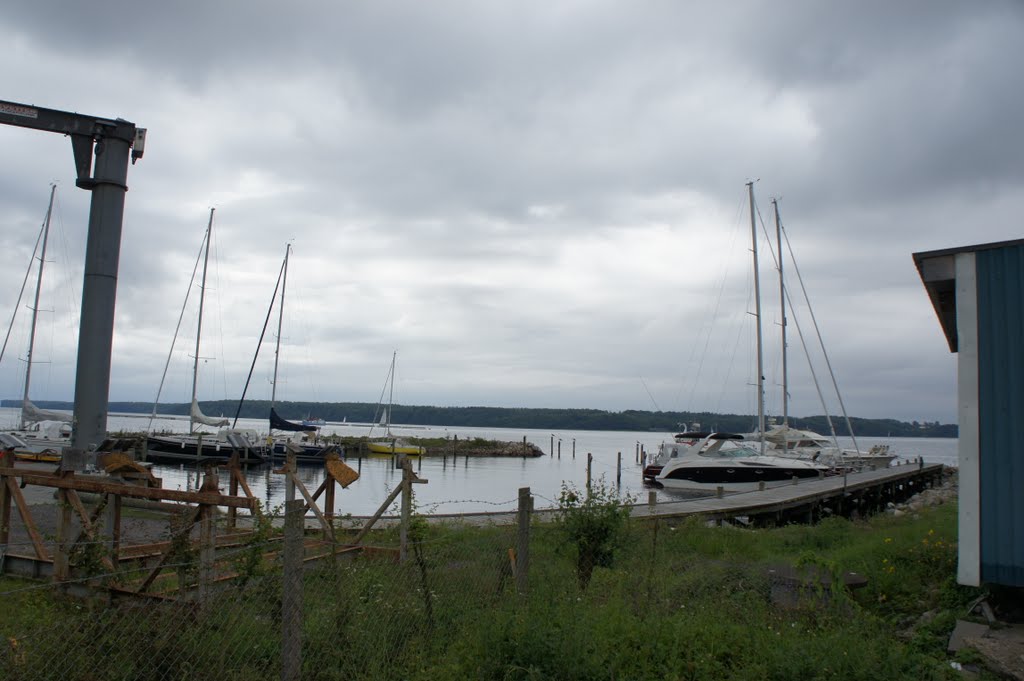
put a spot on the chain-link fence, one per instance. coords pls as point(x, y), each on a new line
point(276, 602)
point(200, 595)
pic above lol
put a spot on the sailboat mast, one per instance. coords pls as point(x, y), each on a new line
point(782, 302)
point(391, 393)
point(35, 306)
point(280, 322)
point(199, 326)
point(757, 314)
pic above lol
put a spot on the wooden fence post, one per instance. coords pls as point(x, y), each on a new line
point(233, 488)
point(291, 592)
point(523, 550)
point(329, 504)
point(114, 547)
point(289, 484)
point(207, 533)
point(590, 461)
point(61, 559)
point(403, 533)
point(6, 461)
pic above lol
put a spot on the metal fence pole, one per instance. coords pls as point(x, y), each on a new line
point(523, 550)
point(291, 592)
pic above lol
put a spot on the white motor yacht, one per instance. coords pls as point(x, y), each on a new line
point(707, 461)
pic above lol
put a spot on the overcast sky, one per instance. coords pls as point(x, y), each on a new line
point(535, 204)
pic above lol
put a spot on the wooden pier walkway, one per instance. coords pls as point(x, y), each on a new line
point(863, 492)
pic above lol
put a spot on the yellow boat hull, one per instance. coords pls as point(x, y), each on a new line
point(396, 448)
point(47, 456)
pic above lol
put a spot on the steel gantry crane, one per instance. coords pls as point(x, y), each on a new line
point(111, 142)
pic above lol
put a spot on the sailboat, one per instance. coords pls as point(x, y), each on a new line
point(41, 433)
point(784, 440)
point(303, 448)
point(708, 461)
point(197, 444)
point(392, 444)
point(277, 422)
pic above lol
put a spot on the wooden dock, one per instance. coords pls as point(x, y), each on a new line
point(859, 493)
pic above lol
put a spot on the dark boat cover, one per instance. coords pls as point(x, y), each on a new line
point(278, 423)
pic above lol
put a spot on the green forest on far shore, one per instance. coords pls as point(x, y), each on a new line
point(532, 418)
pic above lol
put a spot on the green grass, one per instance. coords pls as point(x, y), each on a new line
point(683, 602)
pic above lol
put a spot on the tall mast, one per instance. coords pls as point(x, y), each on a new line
point(35, 306)
point(199, 326)
point(280, 321)
point(757, 313)
point(782, 302)
point(391, 393)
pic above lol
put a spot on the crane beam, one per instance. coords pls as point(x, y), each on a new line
point(111, 142)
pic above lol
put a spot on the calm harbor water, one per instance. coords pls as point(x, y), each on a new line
point(480, 484)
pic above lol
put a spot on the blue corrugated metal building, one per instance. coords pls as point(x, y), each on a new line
point(978, 294)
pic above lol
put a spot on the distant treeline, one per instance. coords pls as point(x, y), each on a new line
point(541, 419)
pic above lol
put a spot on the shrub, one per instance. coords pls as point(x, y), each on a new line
point(594, 523)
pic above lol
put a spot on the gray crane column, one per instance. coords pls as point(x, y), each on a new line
point(99, 289)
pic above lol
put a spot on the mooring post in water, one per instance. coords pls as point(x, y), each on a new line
point(523, 543)
point(559, 448)
point(638, 451)
point(552, 448)
point(525, 450)
point(618, 472)
point(574, 448)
